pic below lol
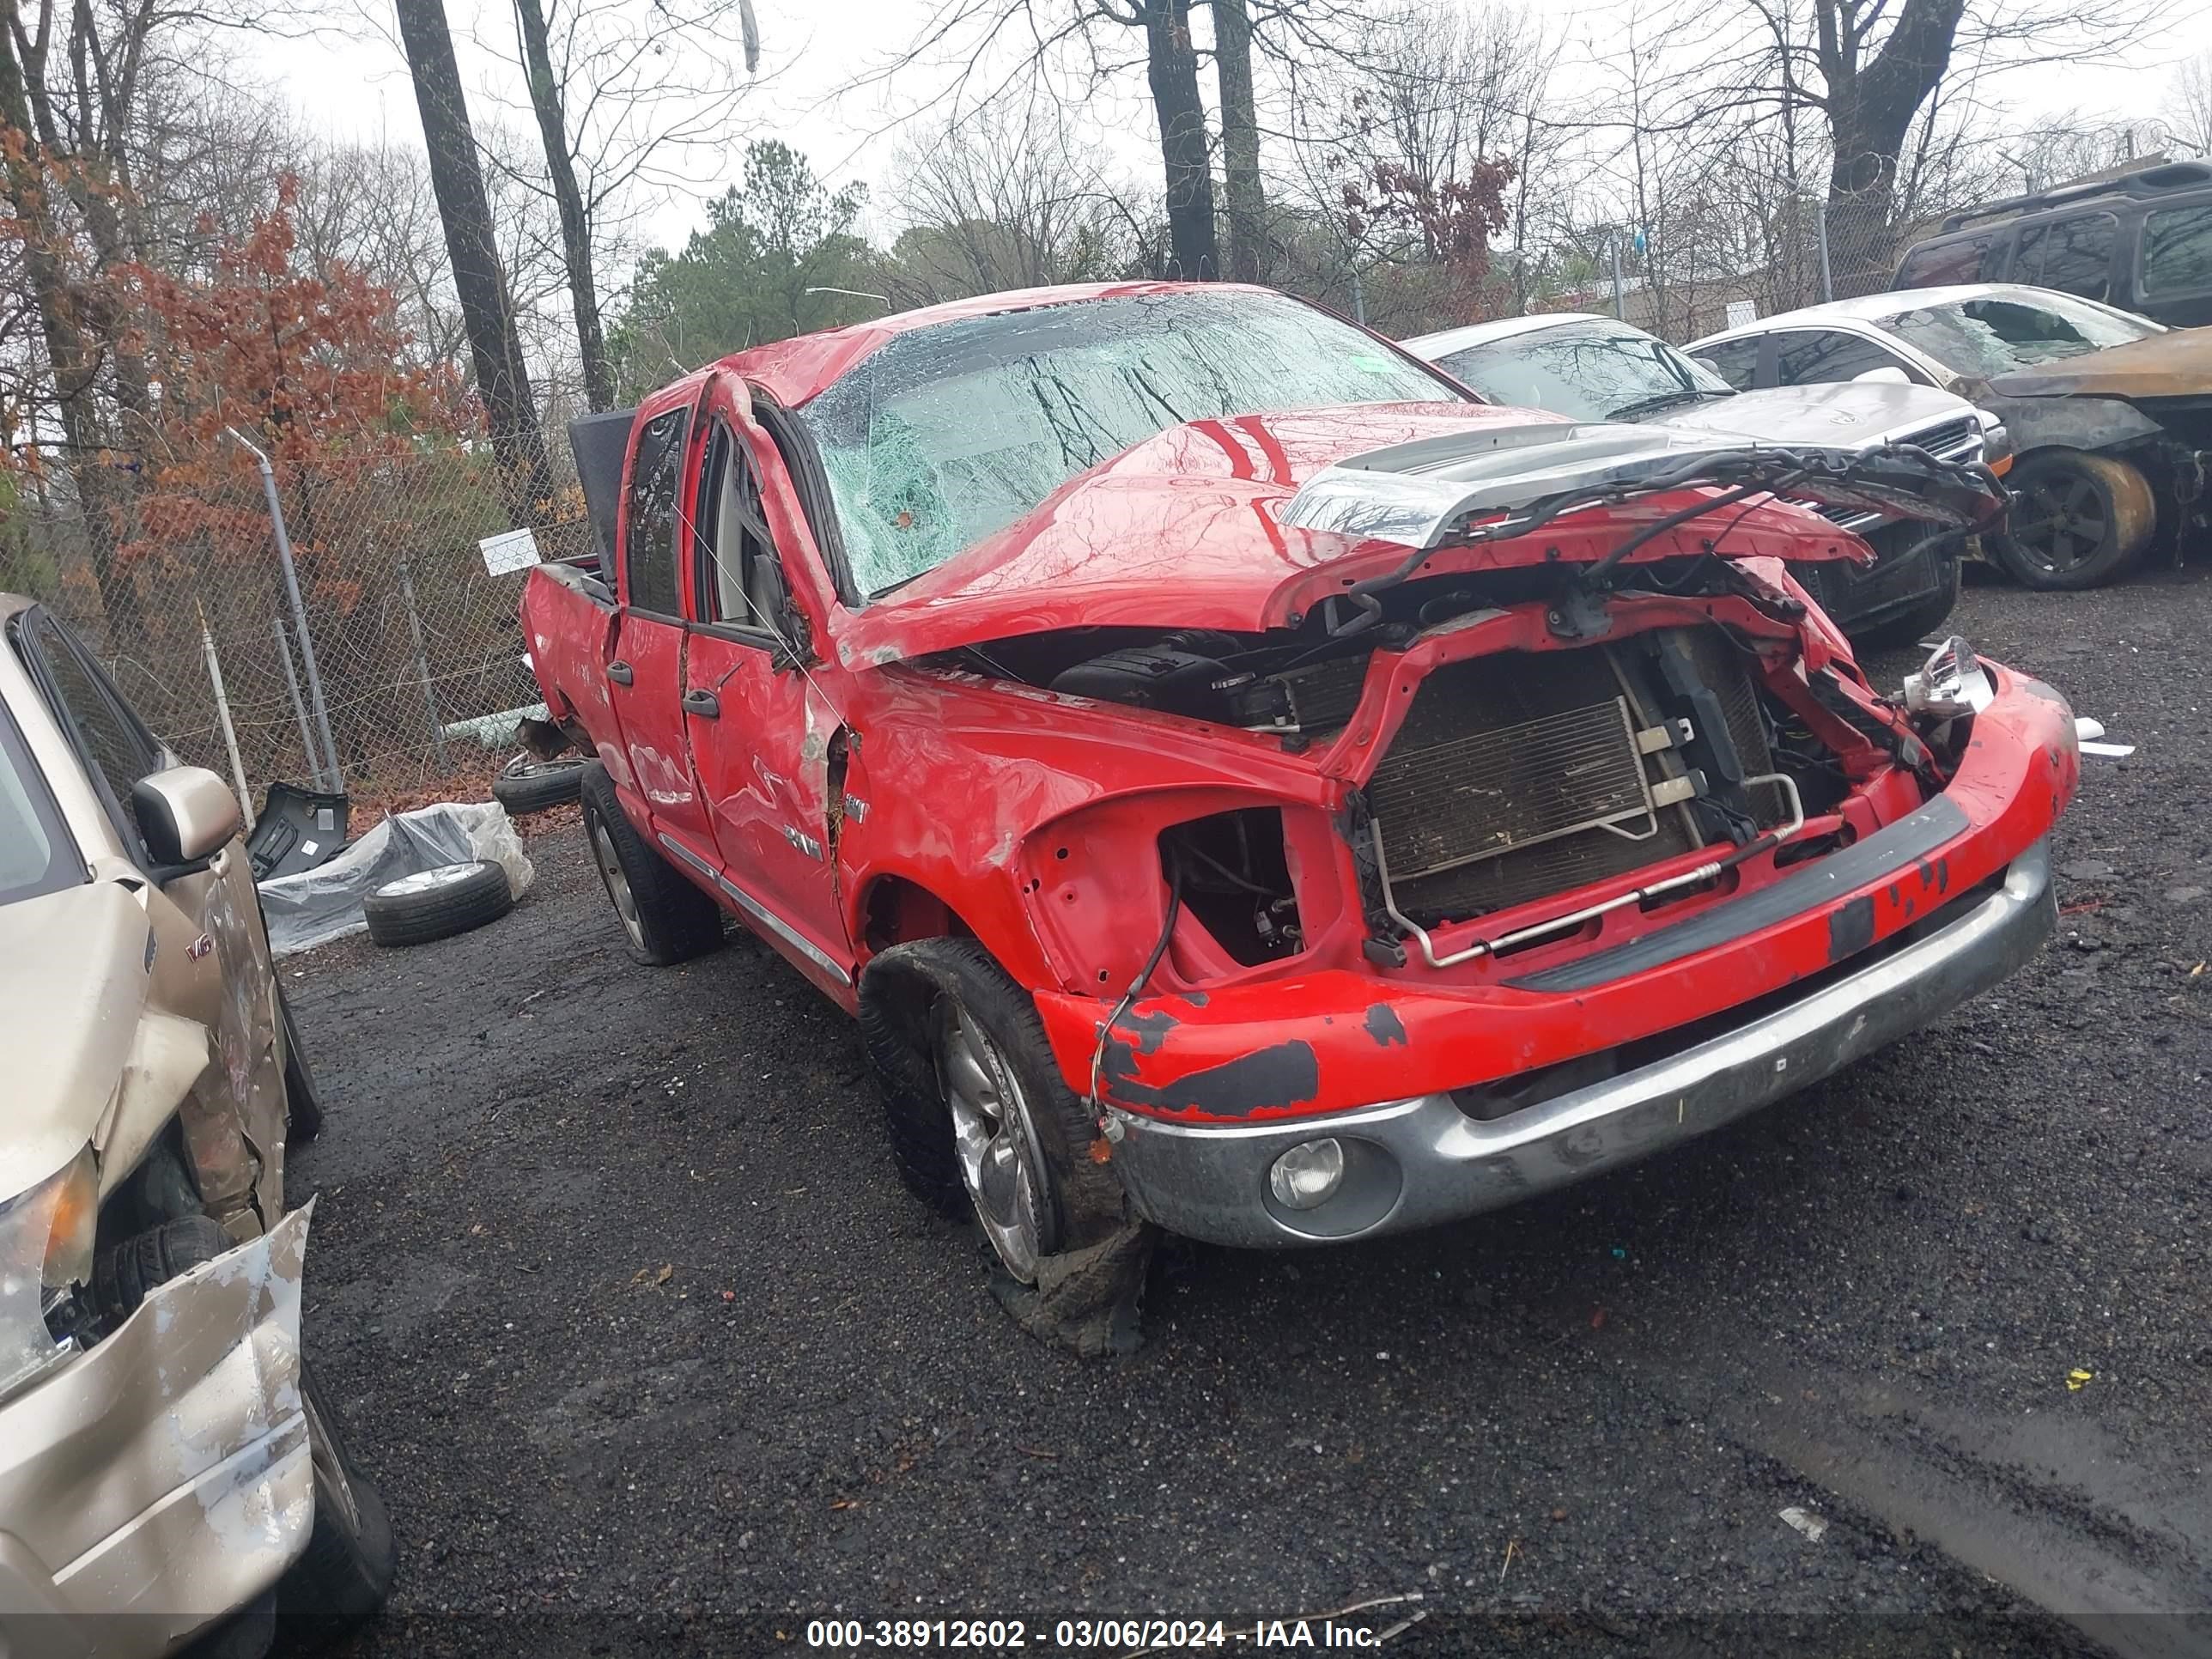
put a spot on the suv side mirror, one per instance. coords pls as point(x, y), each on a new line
point(185, 814)
point(1885, 374)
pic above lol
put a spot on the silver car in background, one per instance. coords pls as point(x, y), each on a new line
point(1589, 367)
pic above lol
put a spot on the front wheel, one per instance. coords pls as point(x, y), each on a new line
point(345, 1573)
point(2078, 520)
point(979, 1120)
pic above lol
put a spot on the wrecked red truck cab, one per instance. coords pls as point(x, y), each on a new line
point(1246, 787)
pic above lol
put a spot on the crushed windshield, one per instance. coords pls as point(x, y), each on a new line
point(1986, 338)
point(950, 432)
point(35, 855)
point(1586, 371)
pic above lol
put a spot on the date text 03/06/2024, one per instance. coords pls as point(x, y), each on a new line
point(1071, 1635)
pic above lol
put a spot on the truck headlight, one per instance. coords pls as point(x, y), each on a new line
point(1951, 683)
point(46, 1248)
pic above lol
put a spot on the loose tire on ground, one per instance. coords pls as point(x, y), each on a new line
point(438, 902)
point(665, 919)
point(526, 784)
point(2078, 520)
point(303, 1106)
point(345, 1573)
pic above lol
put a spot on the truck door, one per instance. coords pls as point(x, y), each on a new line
point(764, 737)
point(644, 648)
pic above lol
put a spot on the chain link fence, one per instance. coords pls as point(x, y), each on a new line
point(180, 592)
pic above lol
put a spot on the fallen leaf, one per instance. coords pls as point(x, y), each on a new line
point(1597, 1318)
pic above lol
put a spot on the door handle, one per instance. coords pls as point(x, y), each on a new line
point(705, 704)
point(621, 672)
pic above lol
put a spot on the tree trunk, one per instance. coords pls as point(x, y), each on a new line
point(1247, 198)
point(1172, 62)
point(75, 353)
point(1871, 107)
point(575, 229)
point(525, 483)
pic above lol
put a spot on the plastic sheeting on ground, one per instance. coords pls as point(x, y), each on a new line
point(318, 905)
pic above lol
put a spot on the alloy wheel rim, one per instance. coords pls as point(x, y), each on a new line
point(610, 873)
point(991, 1140)
point(332, 1482)
point(424, 881)
point(2070, 524)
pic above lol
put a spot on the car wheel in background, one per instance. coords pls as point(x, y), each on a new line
point(303, 1106)
point(665, 919)
point(345, 1573)
point(526, 784)
point(1923, 617)
point(2078, 520)
point(438, 902)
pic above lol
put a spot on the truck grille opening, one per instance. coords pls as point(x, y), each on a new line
point(1526, 774)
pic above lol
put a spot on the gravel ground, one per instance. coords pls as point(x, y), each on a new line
point(650, 1353)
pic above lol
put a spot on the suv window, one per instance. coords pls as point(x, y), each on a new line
point(1951, 262)
point(740, 580)
point(114, 746)
point(1805, 358)
point(649, 536)
point(2074, 255)
point(1735, 361)
point(36, 855)
point(2177, 250)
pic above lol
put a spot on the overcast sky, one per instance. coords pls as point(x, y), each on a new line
point(358, 89)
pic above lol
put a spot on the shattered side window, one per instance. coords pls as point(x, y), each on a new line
point(951, 433)
point(1994, 336)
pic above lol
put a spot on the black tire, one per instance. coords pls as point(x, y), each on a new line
point(1910, 627)
point(123, 1274)
point(666, 920)
point(526, 784)
point(303, 1106)
point(900, 992)
point(345, 1573)
point(438, 902)
point(2077, 520)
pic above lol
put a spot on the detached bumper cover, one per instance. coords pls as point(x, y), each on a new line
point(162, 1480)
point(1417, 1161)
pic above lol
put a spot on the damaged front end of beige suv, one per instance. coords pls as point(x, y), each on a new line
point(170, 1475)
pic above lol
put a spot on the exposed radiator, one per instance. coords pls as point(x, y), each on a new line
point(1522, 774)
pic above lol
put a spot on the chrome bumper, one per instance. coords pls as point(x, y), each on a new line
point(1416, 1162)
point(160, 1481)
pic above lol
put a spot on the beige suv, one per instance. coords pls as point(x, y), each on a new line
point(170, 1475)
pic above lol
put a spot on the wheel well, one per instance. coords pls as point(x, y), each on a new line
point(897, 910)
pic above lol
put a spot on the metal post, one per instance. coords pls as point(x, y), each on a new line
point(1613, 249)
point(222, 714)
point(1820, 229)
point(423, 667)
point(1359, 297)
point(336, 779)
point(299, 708)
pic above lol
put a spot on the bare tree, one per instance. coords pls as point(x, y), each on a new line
point(1004, 198)
point(502, 379)
point(2189, 105)
point(650, 87)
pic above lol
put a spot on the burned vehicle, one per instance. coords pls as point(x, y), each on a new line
point(2110, 413)
point(171, 1475)
point(1598, 368)
point(1245, 787)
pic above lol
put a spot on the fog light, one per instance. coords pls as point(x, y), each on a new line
point(1306, 1176)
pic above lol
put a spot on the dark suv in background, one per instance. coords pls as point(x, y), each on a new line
point(2141, 241)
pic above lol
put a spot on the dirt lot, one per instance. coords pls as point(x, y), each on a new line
point(652, 1354)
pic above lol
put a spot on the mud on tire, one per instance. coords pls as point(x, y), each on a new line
point(665, 919)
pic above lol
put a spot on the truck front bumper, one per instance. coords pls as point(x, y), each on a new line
point(1417, 1162)
point(160, 1481)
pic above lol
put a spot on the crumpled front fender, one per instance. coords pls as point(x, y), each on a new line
point(162, 1480)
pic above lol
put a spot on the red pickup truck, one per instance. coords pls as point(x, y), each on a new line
point(1244, 785)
